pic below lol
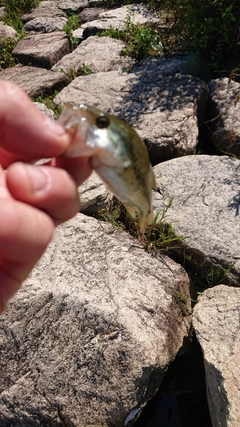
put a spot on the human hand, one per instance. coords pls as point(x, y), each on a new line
point(33, 198)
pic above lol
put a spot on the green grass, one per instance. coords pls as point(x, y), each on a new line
point(14, 9)
point(48, 101)
point(160, 238)
point(6, 57)
point(72, 24)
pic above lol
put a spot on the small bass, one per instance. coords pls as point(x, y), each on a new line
point(118, 155)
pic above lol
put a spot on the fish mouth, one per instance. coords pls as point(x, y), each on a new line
point(74, 119)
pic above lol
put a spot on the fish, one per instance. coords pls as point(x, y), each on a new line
point(117, 154)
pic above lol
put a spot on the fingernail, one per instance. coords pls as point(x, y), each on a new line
point(37, 177)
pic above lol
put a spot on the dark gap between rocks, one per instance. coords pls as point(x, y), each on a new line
point(181, 400)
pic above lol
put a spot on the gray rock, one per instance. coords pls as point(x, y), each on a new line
point(98, 53)
point(205, 209)
point(2, 13)
point(163, 109)
point(6, 32)
point(78, 34)
point(92, 331)
point(45, 25)
point(176, 63)
point(223, 120)
point(42, 50)
point(35, 81)
point(116, 18)
point(44, 10)
point(216, 322)
point(93, 195)
point(72, 5)
point(47, 111)
point(90, 14)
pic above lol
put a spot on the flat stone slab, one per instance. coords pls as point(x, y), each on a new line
point(92, 331)
point(45, 9)
point(97, 53)
point(45, 25)
point(163, 109)
point(205, 208)
point(216, 320)
point(224, 115)
point(71, 5)
point(35, 81)
point(42, 50)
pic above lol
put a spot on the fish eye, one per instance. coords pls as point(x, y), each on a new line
point(102, 122)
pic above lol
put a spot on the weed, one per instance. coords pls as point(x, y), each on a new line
point(72, 24)
point(48, 101)
point(160, 238)
point(210, 27)
point(71, 74)
point(141, 41)
point(6, 57)
point(14, 9)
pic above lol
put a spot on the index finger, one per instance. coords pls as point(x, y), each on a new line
point(24, 130)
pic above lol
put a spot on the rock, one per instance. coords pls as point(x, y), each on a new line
point(163, 109)
point(45, 9)
point(176, 63)
point(35, 81)
point(93, 195)
point(90, 14)
point(6, 32)
point(97, 53)
point(72, 6)
point(2, 13)
point(78, 34)
point(47, 111)
point(42, 50)
point(223, 116)
point(216, 322)
point(45, 25)
point(92, 331)
point(205, 210)
point(116, 18)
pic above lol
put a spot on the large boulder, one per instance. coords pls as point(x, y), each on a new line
point(34, 80)
point(116, 18)
point(205, 211)
point(45, 9)
point(162, 108)
point(216, 321)
point(88, 338)
point(98, 54)
point(45, 24)
point(42, 50)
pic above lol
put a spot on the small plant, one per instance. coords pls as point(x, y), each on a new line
point(6, 57)
point(48, 101)
point(209, 27)
point(158, 236)
point(141, 41)
point(71, 74)
point(14, 9)
point(72, 24)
